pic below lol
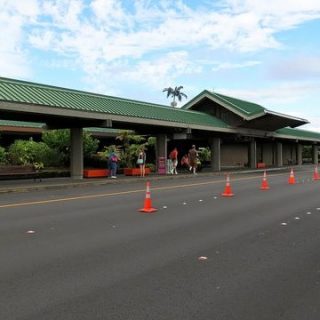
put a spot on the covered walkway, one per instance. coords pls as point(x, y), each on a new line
point(236, 131)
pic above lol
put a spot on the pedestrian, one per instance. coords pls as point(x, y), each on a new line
point(185, 162)
point(193, 157)
point(141, 161)
point(113, 164)
point(174, 159)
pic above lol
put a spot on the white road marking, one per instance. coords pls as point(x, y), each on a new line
point(203, 258)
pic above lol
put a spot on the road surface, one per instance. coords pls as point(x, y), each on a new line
point(87, 253)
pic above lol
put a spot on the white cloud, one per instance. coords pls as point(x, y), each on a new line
point(109, 40)
point(13, 57)
point(281, 95)
point(297, 67)
point(155, 75)
point(162, 71)
point(228, 65)
point(314, 125)
point(12, 65)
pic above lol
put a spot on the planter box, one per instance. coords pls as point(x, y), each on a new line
point(135, 171)
point(95, 173)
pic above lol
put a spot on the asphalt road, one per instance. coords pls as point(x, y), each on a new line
point(87, 253)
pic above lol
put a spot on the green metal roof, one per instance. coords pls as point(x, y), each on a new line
point(23, 92)
point(245, 108)
point(298, 133)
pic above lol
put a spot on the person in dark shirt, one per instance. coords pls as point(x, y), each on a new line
point(193, 156)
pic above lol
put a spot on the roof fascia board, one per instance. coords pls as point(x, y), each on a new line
point(289, 137)
point(286, 116)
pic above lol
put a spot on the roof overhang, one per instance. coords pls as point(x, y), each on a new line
point(271, 121)
point(265, 120)
point(66, 118)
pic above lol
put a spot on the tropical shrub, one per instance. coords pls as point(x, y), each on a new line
point(131, 144)
point(3, 155)
point(60, 141)
point(28, 152)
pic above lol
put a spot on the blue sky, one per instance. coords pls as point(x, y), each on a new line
point(266, 52)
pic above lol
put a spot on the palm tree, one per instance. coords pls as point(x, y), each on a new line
point(175, 93)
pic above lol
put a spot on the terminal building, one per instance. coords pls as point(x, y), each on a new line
point(238, 133)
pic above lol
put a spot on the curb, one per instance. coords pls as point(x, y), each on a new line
point(69, 183)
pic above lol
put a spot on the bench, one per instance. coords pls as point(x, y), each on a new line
point(13, 172)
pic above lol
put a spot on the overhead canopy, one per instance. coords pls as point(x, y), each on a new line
point(208, 112)
point(61, 107)
point(241, 113)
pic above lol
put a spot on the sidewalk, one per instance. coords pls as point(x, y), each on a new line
point(25, 185)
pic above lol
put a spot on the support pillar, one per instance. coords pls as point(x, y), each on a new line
point(161, 148)
point(215, 147)
point(315, 155)
point(299, 154)
point(76, 157)
point(253, 154)
point(279, 160)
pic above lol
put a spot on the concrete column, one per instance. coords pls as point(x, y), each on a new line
point(253, 154)
point(76, 157)
point(161, 147)
point(215, 147)
point(299, 154)
point(279, 161)
point(315, 157)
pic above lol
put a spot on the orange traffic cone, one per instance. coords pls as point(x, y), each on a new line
point(227, 191)
point(291, 177)
point(264, 184)
point(147, 201)
point(316, 173)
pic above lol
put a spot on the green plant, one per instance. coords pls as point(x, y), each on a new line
point(90, 145)
point(38, 166)
point(152, 166)
point(131, 144)
point(59, 140)
point(204, 154)
point(28, 152)
point(3, 156)
point(175, 93)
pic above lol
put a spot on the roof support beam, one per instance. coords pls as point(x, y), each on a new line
point(215, 147)
point(76, 157)
point(253, 153)
point(279, 160)
point(315, 154)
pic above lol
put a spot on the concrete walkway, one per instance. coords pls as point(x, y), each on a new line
point(25, 185)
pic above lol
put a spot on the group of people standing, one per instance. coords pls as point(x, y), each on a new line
point(113, 160)
point(188, 160)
